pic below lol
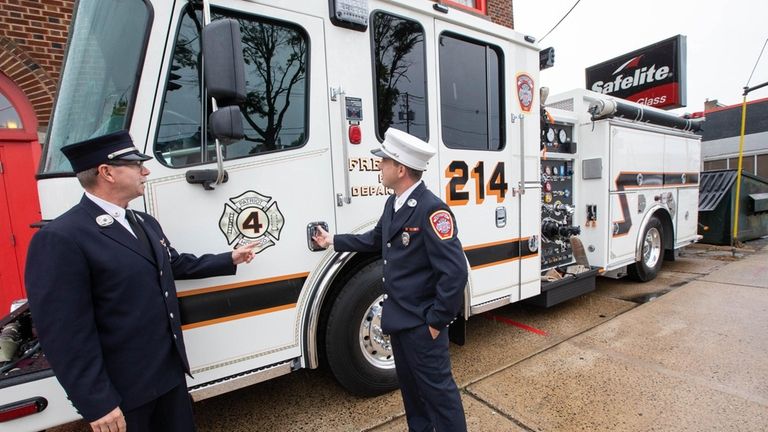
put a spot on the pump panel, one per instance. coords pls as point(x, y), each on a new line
point(556, 212)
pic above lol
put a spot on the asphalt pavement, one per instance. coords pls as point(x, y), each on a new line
point(687, 351)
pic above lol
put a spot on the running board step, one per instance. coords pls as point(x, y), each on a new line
point(234, 382)
point(565, 289)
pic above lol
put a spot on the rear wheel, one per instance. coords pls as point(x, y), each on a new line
point(358, 353)
point(652, 253)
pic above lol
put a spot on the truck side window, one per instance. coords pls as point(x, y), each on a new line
point(399, 68)
point(471, 102)
point(276, 110)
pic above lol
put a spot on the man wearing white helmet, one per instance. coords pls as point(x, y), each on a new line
point(425, 272)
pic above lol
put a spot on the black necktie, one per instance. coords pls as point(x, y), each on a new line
point(139, 231)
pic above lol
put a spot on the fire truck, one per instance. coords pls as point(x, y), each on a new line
point(261, 117)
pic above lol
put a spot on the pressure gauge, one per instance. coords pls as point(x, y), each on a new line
point(550, 135)
point(562, 136)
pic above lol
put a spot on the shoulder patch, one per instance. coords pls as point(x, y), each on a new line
point(442, 223)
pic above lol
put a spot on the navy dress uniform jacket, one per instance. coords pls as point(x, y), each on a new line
point(106, 311)
point(425, 270)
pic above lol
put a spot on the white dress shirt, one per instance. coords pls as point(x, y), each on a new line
point(400, 200)
point(117, 212)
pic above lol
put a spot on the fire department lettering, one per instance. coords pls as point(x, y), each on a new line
point(442, 223)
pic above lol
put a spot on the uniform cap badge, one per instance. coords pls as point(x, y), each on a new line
point(412, 202)
point(406, 239)
point(104, 220)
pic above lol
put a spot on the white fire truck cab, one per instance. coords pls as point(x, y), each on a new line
point(322, 83)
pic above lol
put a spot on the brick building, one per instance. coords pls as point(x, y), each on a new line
point(498, 11)
point(721, 136)
point(33, 35)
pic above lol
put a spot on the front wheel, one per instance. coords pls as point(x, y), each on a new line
point(651, 256)
point(359, 354)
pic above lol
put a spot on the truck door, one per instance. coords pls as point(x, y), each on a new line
point(278, 182)
point(637, 174)
point(478, 158)
point(682, 159)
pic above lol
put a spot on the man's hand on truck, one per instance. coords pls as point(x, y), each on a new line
point(322, 237)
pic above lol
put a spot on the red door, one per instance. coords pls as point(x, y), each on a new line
point(19, 205)
point(10, 275)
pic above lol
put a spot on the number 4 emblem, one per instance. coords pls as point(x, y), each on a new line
point(252, 217)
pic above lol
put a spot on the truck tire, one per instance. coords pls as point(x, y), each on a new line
point(652, 254)
point(358, 353)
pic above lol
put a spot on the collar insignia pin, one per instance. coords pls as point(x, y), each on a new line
point(412, 202)
point(104, 220)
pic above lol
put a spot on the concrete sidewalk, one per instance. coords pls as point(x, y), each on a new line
point(687, 351)
point(695, 359)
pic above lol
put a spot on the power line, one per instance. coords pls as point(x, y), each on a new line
point(561, 20)
point(758, 61)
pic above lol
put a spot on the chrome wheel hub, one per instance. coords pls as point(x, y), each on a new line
point(375, 345)
point(652, 247)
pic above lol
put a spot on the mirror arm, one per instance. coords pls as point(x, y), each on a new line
point(214, 105)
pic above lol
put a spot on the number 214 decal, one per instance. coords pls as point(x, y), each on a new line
point(458, 172)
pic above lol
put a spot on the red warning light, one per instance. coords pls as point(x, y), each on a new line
point(355, 134)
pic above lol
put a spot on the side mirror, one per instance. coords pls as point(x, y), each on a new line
point(546, 58)
point(224, 65)
point(226, 124)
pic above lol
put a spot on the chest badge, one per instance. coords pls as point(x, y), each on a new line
point(105, 220)
point(406, 239)
point(412, 202)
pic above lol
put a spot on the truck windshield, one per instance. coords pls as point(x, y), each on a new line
point(100, 76)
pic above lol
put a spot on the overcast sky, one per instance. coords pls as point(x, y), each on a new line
point(724, 39)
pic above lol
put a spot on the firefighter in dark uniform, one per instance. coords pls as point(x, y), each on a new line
point(100, 282)
point(425, 273)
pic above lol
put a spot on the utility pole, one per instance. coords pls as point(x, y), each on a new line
point(734, 239)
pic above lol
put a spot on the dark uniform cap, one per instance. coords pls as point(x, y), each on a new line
point(117, 146)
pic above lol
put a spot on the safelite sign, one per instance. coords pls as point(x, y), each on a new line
point(653, 76)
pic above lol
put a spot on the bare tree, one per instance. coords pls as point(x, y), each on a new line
point(393, 40)
point(279, 57)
